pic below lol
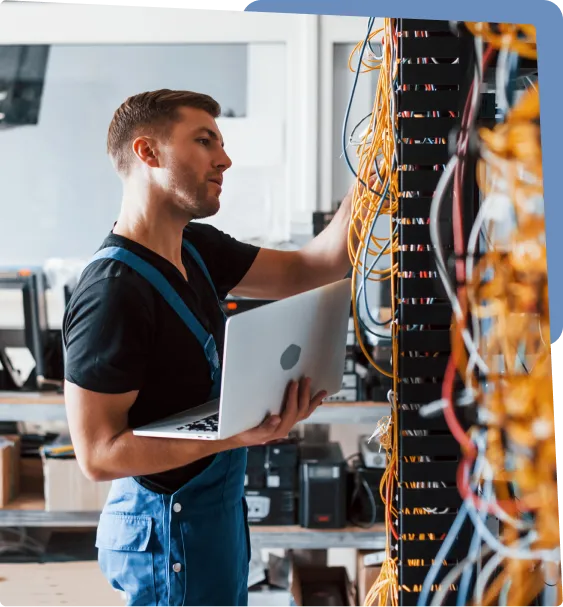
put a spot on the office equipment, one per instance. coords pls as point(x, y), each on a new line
point(44, 344)
point(271, 506)
point(301, 336)
point(364, 504)
point(280, 463)
point(322, 480)
point(352, 385)
point(237, 305)
point(373, 455)
point(22, 78)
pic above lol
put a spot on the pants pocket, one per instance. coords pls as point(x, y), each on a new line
point(124, 555)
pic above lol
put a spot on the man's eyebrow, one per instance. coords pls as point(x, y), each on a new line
point(211, 133)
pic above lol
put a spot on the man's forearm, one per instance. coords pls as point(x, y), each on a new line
point(130, 455)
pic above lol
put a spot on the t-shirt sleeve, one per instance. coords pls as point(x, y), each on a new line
point(226, 258)
point(107, 332)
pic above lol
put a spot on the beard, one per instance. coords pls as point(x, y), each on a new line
point(195, 196)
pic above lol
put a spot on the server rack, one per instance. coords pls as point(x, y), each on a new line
point(427, 496)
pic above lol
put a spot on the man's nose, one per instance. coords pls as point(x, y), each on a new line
point(224, 162)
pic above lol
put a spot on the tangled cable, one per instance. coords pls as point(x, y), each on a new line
point(500, 346)
point(376, 196)
point(508, 468)
point(520, 38)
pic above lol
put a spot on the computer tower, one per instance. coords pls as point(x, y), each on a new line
point(322, 476)
point(271, 507)
point(365, 506)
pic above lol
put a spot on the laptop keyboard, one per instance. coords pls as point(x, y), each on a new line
point(209, 424)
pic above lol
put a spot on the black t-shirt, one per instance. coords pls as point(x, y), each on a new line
point(121, 335)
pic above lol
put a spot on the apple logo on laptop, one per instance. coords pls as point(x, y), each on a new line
point(290, 357)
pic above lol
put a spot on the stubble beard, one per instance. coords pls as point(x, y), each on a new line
point(198, 202)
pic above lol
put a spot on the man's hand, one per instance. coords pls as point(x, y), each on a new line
point(298, 406)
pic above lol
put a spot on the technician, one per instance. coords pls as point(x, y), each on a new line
point(174, 528)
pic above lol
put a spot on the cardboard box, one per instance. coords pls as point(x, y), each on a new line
point(321, 586)
point(67, 489)
point(31, 476)
point(299, 581)
point(366, 575)
point(9, 468)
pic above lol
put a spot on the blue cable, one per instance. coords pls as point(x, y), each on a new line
point(349, 108)
point(514, 63)
point(441, 556)
point(364, 259)
point(468, 573)
point(358, 294)
point(385, 193)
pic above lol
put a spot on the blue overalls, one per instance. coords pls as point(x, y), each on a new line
point(191, 547)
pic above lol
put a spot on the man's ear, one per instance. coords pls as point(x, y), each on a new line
point(146, 150)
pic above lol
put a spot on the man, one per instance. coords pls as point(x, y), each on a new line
point(174, 529)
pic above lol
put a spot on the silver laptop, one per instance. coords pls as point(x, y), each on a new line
point(265, 348)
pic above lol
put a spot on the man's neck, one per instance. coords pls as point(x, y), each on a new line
point(154, 229)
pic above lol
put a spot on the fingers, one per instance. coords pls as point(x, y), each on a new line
point(304, 398)
point(290, 410)
point(291, 405)
point(307, 405)
point(270, 423)
point(298, 406)
point(317, 400)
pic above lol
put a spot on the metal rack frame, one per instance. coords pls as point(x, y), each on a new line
point(421, 376)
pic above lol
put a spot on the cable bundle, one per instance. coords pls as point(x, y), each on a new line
point(376, 196)
point(500, 326)
point(519, 38)
point(508, 292)
point(500, 346)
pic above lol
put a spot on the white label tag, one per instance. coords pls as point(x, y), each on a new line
point(273, 481)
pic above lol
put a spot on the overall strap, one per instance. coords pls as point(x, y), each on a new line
point(199, 260)
point(160, 283)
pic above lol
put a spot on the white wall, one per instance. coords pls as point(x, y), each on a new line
point(342, 177)
point(59, 193)
point(288, 74)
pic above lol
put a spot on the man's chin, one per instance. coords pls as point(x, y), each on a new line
point(210, 208)
point(214, 204)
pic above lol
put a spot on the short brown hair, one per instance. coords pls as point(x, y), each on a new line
point(157, 110)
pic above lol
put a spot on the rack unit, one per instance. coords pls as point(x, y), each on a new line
point(428, 453)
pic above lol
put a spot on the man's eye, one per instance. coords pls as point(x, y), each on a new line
point(204, 141)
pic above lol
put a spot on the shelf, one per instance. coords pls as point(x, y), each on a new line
point(349, 413)
point(27, 511)
point(31, 398)
point(32, 407)
point(297, 538)
point(49, 407)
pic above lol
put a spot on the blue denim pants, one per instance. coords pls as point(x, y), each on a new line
point(189, 548)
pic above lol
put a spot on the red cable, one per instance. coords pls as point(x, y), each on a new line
point(510, 507)
point(448, 386)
